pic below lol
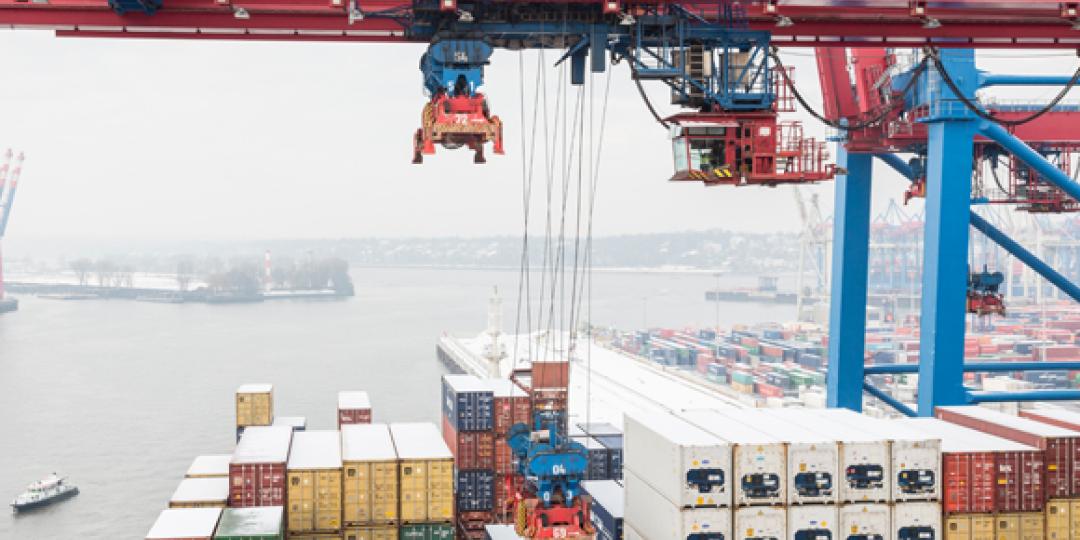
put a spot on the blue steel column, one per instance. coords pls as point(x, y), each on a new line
point(851, 247)
point(948, 213)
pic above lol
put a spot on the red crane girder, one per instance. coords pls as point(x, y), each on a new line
point(815, 23)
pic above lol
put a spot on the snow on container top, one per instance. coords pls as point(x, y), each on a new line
point(367, 442)
point(320, 449)
point(295, 422)
point(353, 399)
point(200, 490)
point(1008, 421)
point(252, 521)
point(263, 444)
point(956, 438)
point(207, 466)
point(1055, 416)
point(718, 423)
point(184, 523)
point(505, 388)
point(255, 388)
point(599, 428)
point(606, 493)
point(418, 440)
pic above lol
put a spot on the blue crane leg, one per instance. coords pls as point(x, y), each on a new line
point(944, 288)
point(851, 247)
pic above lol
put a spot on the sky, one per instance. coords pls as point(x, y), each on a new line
point(249, 140)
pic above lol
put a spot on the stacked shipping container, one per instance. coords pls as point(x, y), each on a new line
point(426, 480)
point(254, 406)
point(314, 484)
point(370, 484)
point(678, 480)
point(257, 468)
point(185, 524)
point(256, 523)
point(354, 407)
point(469, 417)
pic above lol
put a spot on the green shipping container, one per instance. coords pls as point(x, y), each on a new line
point(427, 531)
point(253, 523)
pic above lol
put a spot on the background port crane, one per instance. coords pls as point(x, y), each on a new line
point(9, 184)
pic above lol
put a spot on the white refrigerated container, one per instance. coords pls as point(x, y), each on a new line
point(864, 469)
point(650, 515)
point(915, 456)
point(759, 460)
point(865, 521)
point(686, 464)
point(813, 456)
point(760, 523)
point(813, 522)
point(916, 521)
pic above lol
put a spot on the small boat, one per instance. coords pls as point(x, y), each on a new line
point(46, 491)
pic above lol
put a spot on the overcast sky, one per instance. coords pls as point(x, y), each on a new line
point(211, 140)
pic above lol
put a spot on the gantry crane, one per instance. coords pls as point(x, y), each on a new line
point(717, 58)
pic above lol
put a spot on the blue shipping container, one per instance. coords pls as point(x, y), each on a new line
point(607, 509)
point(614, 444)
point(475, 491)
point(468, 403)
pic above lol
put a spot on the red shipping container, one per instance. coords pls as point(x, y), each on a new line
point(983, 473)
point(257, 468)
point(550, 374)
point(768, 390)
point(354, 407)
point(471, 449)
point(511, 405)
point(1020, 482)
point(1061, 447)
point(504, 457)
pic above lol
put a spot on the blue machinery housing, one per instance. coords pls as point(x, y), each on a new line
point(952, 129)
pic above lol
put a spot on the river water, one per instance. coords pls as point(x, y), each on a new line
point(120, 396)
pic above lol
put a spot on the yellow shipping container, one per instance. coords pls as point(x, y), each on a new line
point(1007, 527)
point(371, 474)
point(969, 527)
point(1074, 518)
point(1032, 526)
point(1057, 519)
point(314, 536)
point(376, 532)
point(426, 473)
point(313, 482)
point(255, 405)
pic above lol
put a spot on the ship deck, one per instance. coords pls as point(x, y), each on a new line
point(604, 383)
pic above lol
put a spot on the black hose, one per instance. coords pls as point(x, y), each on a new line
point(975, 108)
point(645, 97)
point(919, 69)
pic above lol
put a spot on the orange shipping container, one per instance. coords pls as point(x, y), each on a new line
point(313, 486)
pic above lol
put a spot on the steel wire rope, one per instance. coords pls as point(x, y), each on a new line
point(932, 53)
point(920, 69)
point(527, 169)
point(594, 182)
